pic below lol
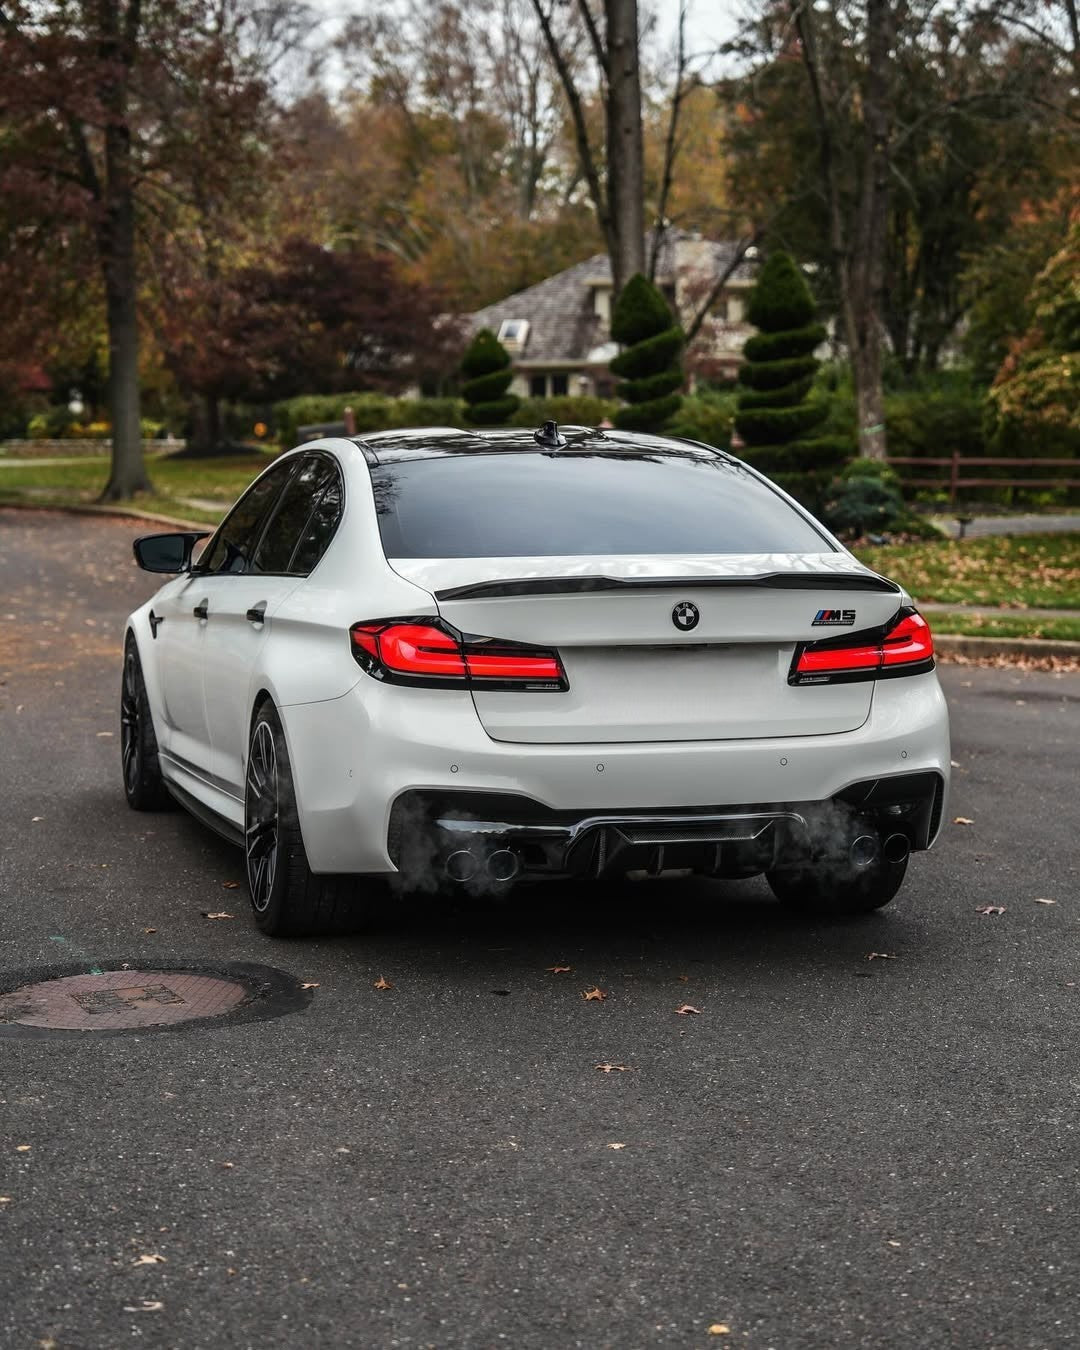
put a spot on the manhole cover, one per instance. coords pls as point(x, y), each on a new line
point(133, 1000)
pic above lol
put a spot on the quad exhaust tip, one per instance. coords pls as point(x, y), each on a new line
point(896, 848)
point(461, 866)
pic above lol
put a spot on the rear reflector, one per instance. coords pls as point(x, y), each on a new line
point(412, 651)
point(903, 647)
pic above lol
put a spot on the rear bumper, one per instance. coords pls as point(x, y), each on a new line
point(369, 768)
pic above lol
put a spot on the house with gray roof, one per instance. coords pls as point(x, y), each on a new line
point(558, 332)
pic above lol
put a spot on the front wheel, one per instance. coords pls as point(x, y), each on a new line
point(288, 899)
point(144, 787)
point(837, 888)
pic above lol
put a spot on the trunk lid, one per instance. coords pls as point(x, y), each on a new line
point(641, 665)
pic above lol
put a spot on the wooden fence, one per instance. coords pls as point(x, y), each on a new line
point(959, 467)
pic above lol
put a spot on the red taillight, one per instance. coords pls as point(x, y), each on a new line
point(409, 652)
point(906, 647)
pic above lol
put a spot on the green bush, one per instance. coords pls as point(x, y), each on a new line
point(52, 424)
point(373, 412)
point(573, 410)
point(779, 405)
point(649, 367)
point(861, 504)
point(708, 418)
point(486, 367)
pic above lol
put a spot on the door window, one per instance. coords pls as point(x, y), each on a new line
point(282, 536)
point(320, 528)
point(231, 548)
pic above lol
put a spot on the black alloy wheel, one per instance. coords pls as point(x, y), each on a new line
point(261, 817)
point(144, 786)
point(287, 898)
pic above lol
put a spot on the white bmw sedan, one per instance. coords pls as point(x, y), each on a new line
point(475, 659)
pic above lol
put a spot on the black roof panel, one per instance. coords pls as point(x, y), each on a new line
point(390, 447)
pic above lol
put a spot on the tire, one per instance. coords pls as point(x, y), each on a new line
point(287, 898)
point(837, 889)
point(144, 786)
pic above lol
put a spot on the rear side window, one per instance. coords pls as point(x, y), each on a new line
point(289, 521)
point(321, 527)
point(526, 505)
point(231, 548)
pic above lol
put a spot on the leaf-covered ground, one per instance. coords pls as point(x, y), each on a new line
point(1038, 571)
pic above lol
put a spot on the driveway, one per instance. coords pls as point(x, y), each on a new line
point(836, 1151)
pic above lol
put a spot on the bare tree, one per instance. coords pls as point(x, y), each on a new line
point(616, 183)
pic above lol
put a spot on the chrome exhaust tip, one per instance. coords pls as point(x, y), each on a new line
point(864, 851)
point(896, 848)
point(503, 865)
point(461, 866)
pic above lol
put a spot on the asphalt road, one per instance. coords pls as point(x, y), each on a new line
point(836, 1152)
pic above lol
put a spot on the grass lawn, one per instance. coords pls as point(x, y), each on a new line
point(1038, 570)
point(1006, 626)
point(81, 482)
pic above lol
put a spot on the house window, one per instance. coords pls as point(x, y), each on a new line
point(513, 332)
point(538, 386)
point(559, 386)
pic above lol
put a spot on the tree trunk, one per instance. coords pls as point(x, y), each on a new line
point(625, 153)
point(116, 243)
point(205, 436)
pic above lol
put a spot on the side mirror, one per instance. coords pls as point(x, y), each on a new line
point(167, 552)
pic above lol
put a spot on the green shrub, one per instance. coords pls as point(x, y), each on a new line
point(52, 424)
point(779, 405)
point(858, 505)
point(373, 412)
point(486, 367)
point(707, 418)
point(574, 410)
point(649, 367)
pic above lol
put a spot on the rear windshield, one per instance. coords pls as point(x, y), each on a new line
point(526, 505)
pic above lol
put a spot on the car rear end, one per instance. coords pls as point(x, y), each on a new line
point(638, 656)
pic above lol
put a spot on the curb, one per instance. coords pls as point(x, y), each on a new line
point(949, 644)
point(121, 512)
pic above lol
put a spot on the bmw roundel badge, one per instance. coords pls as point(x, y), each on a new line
point(685, 616)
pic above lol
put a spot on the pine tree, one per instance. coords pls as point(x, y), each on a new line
point(649, 367)
point(486, 367)
point(774, 414)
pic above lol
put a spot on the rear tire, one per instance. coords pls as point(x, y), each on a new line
point(837, 889)
point(144, 787)
point(287, 898)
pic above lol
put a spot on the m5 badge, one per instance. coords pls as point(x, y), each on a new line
point(834, 618)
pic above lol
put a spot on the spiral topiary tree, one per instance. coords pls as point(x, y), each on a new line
point(649, 367)
point(774, 415)
point(486, 367)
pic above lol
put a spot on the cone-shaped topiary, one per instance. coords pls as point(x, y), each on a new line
point(486, 367)
point(774, 415)
point(649, 367)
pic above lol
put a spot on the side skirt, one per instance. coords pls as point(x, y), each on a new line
point(206, 816)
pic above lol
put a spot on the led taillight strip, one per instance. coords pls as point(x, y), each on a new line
point(411, 651)
point(903, 647)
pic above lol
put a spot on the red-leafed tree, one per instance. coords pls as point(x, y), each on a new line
point(111, 111)
point(306, 318)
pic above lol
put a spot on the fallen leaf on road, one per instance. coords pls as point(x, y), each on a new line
point(147, 1305)
point(616, 1145)
point(102, 734)
point(311, 984)
point(686, 1010)
point(989, 909)
point(1040, 901)
point(614, 1068)
point(219, 915)
point(719, 1329)
point(880, 956)
point(558, 970)
point(34, 819)
point(22, 1148)
point(962, 820)
point(227, 1164)
point(230, 885)
point(594, 995)
point(5, 1199)
point(383, 983)
point(685, 978)
point(149, 930)
point(149, 1259)
point(891, 1243)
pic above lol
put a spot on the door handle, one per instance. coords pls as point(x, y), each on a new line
point(257, 613)
point(201, 610)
